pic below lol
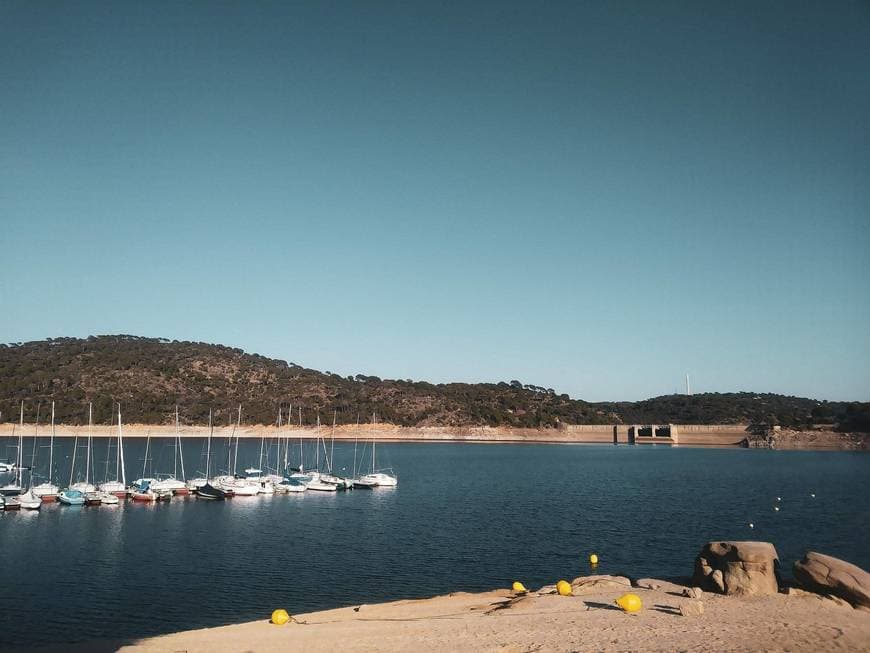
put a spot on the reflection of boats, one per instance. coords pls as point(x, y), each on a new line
point(13, 503)
point(71, 497)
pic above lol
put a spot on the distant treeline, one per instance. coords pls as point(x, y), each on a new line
point(150, 376)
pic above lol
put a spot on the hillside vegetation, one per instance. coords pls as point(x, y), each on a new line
point(149, 376)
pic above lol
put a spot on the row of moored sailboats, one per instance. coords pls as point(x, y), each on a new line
point(254, 481)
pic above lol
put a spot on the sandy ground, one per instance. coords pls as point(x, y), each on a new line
point(494, 621)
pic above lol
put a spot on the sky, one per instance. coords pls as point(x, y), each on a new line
point(597, 197)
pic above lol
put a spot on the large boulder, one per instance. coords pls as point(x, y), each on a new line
point(740, 568)
point(827, 575)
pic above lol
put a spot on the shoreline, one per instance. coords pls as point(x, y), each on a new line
point(500, 620)
point(715, 436)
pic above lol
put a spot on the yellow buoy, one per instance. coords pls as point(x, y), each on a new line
point(280, 617)
point(629, 602)
point(564, 588)
point(593, 559)
point(518, 587)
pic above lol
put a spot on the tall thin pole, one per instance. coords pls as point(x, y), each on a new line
point(90, 438)
point(208, 450)
point(121, 448)
point(688, 387)
point(51, 446)
point(72, 469)
point(287, 440)
point(180, 447)
point(238, 429)
point(301, 467)
point(175, 461)
point(332, 444)
point(20, 445)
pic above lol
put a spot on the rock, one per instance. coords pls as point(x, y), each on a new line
point(739, 568)
point(827, 575)
point(693, 592)
point(692, 609)
point(547, 589)
point(592, 584)
point(648, 584)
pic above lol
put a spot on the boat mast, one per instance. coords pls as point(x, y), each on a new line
point(278, 438)
point(123, 478)
point(208, 449)
point(20, 462)
point(72, 469)
point(90, 437)
point(287, 440)
point(238, 428)
point(51, 445)
point(317, 448)
point(262, 442)
point(180, 447)
point(147, 445)
point(374, 433)
point(35, 437)
point(301, 467)
point(355, 441)
point(175, 458)
point(230, 444)
point(332, 444)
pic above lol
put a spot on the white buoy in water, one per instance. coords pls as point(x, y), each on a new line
point(776, 508)
point(779, 498)
point(813, 496)
point(751, 525)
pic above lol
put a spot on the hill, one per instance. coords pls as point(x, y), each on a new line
point(149, 376)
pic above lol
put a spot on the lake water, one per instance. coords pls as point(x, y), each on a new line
point(464, 517)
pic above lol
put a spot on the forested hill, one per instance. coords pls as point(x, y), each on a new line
point(149, 376)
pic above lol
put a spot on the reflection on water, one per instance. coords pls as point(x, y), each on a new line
point(464, 517)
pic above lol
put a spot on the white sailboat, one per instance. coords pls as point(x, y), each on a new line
point(173, 483)
point(28, 500)
point(85, 487)
point(117, 487)
point(317, 483)
point(377, 477)
point(14, 488)
point(48, 491)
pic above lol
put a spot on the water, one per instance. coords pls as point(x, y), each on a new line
point(464, 517)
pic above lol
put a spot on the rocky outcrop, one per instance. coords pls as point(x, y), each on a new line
point(739, 568)
point(827, 575)
point(592, 584)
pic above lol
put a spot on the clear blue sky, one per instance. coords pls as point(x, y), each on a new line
point(591, 196)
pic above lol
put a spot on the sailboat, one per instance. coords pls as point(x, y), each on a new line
point(86, 487)
point(48, 491)
point(14, 488)
point(118, 486)
point(317, 483)
point(377, 478)
point(173, 483)
point(28, 500)
point(207, 490)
